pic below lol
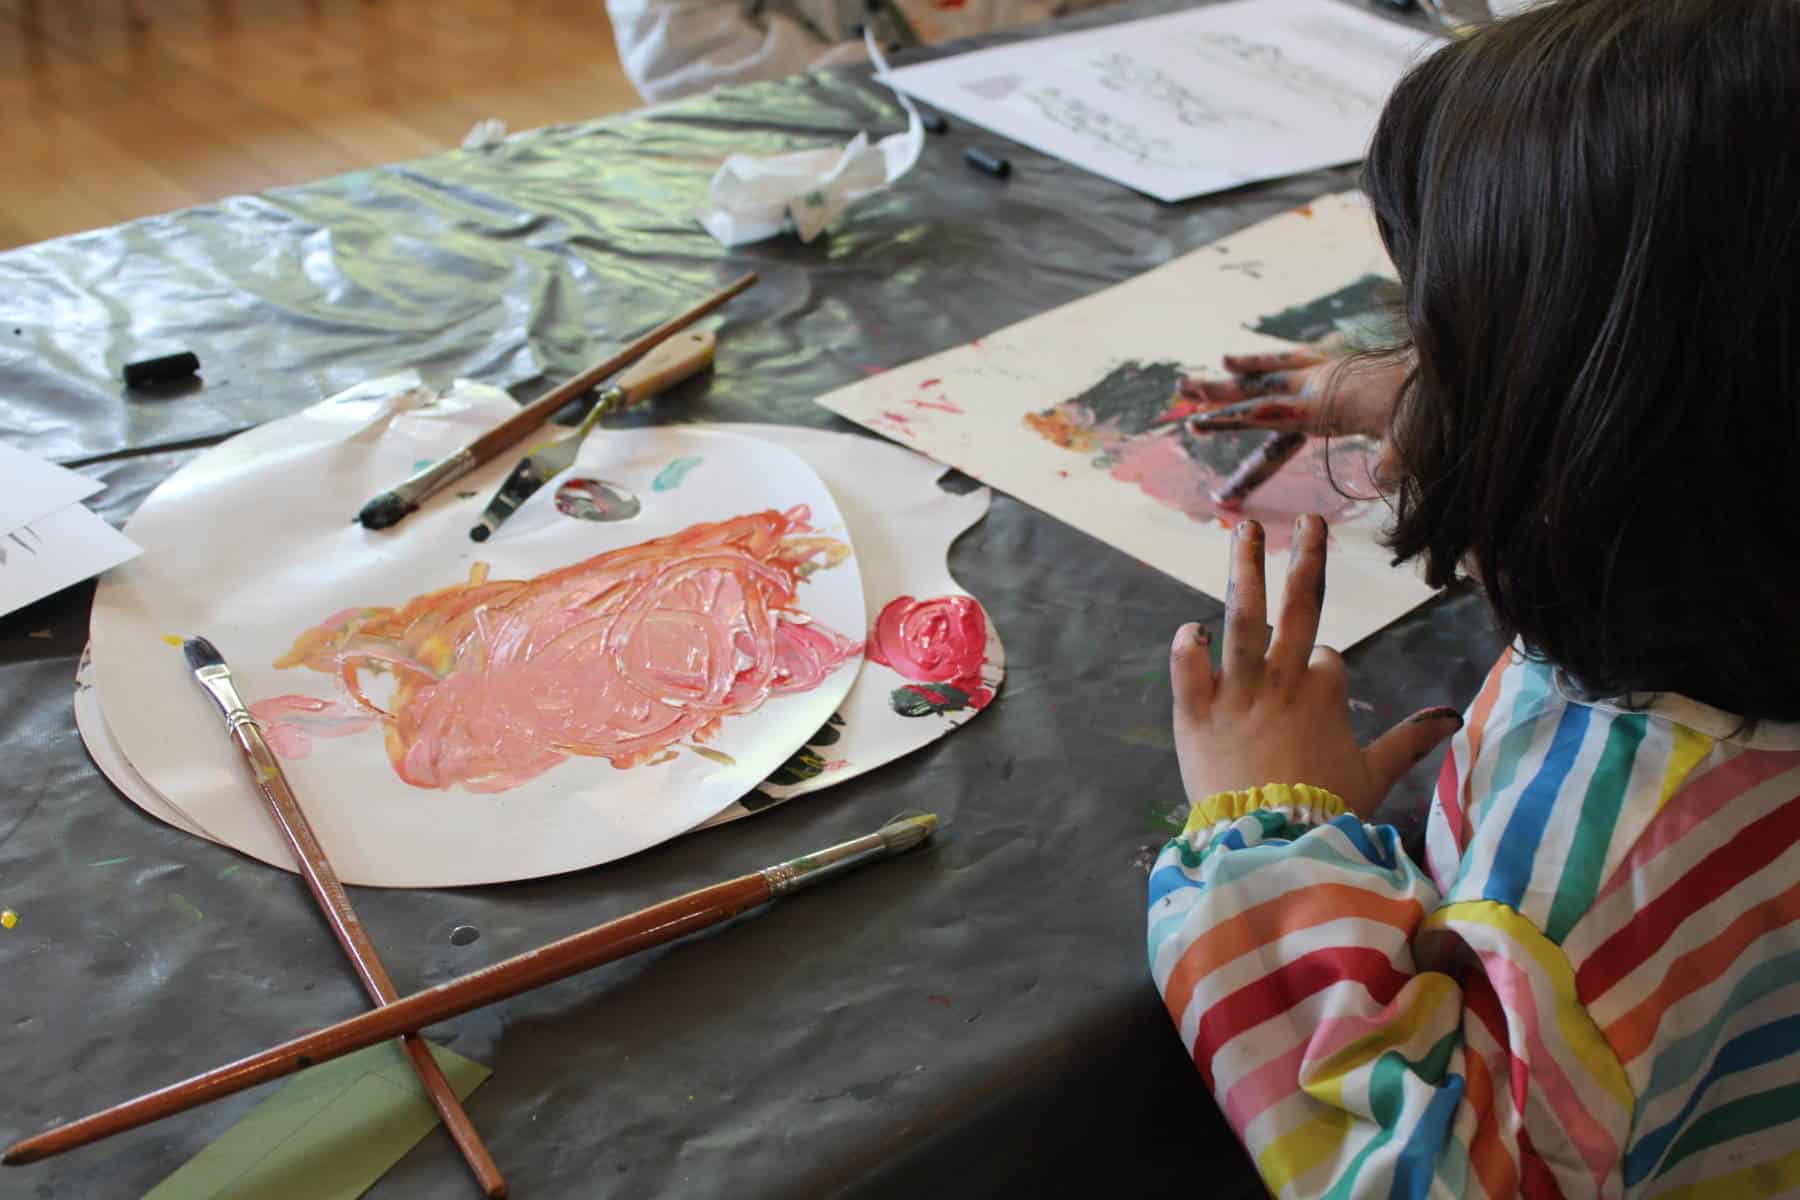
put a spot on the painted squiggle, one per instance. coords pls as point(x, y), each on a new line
point(619, 657)
point(290, 723)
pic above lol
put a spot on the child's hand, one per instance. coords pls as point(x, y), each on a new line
point(1278, 712)
point(1304, 391)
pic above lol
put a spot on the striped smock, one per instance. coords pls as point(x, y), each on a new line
point(1591, 988)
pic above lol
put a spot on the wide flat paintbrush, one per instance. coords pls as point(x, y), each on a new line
point(660, 370)
point(653, 926)
point(391, 507)
point(210, 670)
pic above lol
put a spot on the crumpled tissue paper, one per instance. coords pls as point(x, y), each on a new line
point(756, 198)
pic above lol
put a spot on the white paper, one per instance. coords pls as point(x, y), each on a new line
point(104, 748)
point(1194, 102)
point(756, 198)
point(969, 407)
point(903, 525)
point(253, 543)
point(31, 488)
point(56, 551)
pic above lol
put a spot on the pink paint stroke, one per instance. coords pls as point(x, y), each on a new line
point(618, 657)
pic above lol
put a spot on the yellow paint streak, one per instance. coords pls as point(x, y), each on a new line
point(172, 639)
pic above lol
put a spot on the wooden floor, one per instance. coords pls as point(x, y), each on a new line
point(113, 109)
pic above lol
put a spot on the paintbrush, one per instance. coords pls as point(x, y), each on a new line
point(653, 926)
point(660, 370)
point(265, 770)
point(391, 507)
point(1269, 457)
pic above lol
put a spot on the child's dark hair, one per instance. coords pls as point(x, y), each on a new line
point(1594, 208)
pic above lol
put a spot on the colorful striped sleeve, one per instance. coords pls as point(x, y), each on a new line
point(1363, 1038)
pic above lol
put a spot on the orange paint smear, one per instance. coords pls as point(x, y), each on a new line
point(617, 657)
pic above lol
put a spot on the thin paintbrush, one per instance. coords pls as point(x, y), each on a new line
point(210, 670)
point(641, 930)
point(391, 507)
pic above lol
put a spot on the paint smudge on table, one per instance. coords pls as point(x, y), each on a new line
point(621, 656)
point(186, 907)
point(673, 475)
point(8, 919)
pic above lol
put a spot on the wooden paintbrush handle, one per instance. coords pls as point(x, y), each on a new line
point(322, 881)
point(676, 360)
point(538, 411)
point(641, 930)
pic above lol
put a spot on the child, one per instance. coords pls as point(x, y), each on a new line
point(1592, 985)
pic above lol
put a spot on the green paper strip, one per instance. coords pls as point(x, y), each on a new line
point(329, 1134)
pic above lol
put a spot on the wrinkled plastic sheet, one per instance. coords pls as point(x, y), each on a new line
point(972, 1019)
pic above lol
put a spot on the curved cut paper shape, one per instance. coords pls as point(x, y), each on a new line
point(615, 683)
point(892, 508)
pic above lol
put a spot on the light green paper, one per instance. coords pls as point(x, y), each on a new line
point(329, 1134)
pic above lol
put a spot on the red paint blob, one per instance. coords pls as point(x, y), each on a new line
point(943, 640)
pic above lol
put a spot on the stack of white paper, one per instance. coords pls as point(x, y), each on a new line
point(48, 540)
point(1193, 102)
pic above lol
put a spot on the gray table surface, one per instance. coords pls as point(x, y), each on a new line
point(974, 1019)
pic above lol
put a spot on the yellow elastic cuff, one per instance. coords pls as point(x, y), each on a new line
point(1229, 806)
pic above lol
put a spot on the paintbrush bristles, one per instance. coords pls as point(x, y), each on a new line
point(383, 511)
point(901, 836)
point(201, 653)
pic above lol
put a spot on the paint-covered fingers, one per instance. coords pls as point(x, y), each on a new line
point(1191, 672)
point(1283, 402)
point(1302, 600)
point(1275, 375)
point(1281, 360)
point(1395, 752)
point(1246, 613)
